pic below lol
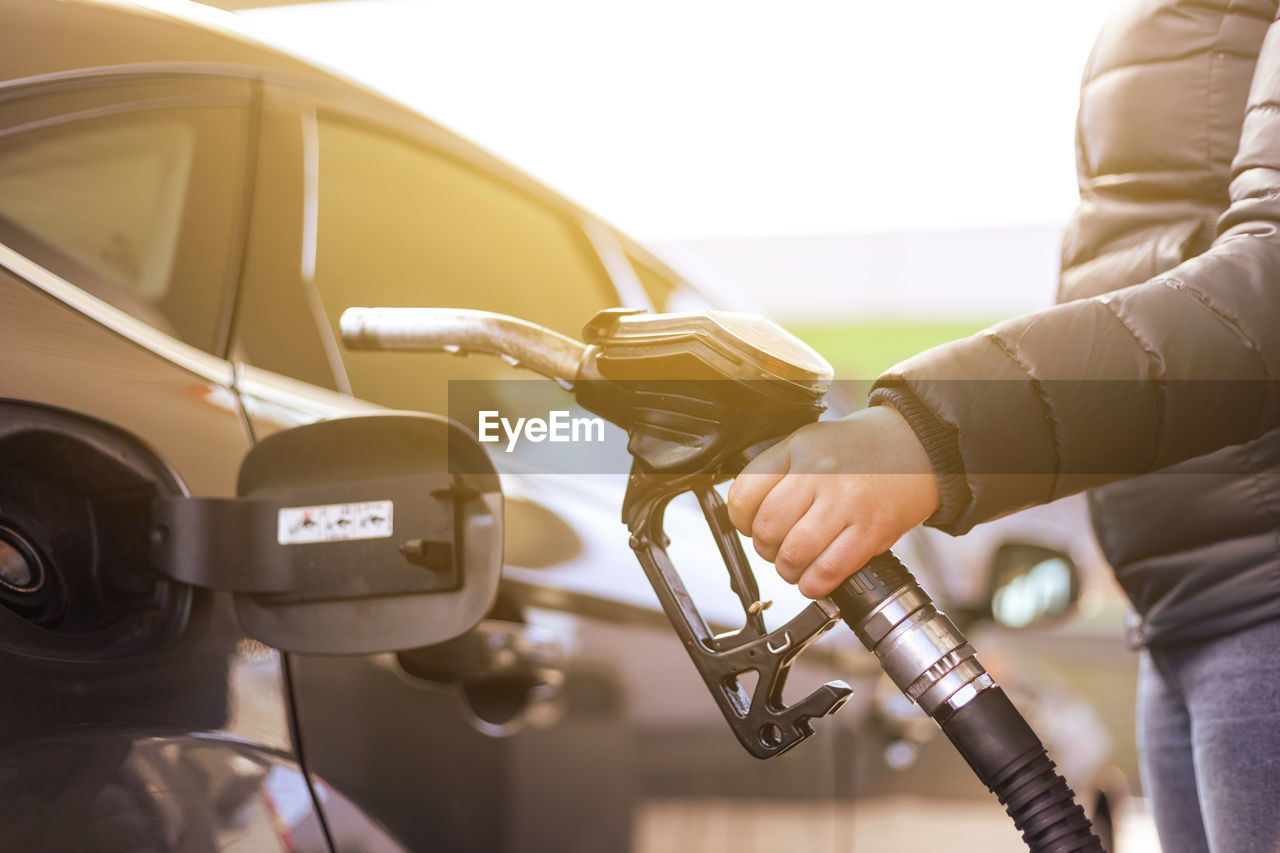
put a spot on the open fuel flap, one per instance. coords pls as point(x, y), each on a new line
point(352, 536)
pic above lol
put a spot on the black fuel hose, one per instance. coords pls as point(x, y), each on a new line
point(932, 663)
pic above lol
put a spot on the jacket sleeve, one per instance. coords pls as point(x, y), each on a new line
point(1100, 389)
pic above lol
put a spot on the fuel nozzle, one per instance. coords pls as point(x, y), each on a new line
point(698, 394)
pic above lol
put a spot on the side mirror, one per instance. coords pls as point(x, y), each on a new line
point(352, 536)
point(1032, 585)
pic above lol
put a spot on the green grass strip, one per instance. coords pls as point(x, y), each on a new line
point(865, 350)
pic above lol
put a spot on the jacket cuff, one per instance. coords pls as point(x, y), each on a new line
point(941, 442)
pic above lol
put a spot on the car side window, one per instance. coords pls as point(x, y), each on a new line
point(402, 225)
point(399, 223)
point(131, 197)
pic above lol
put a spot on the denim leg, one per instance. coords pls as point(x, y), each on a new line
point(1232, 685)
point(1166, 758)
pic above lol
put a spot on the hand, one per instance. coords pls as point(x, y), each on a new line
point(832, 495)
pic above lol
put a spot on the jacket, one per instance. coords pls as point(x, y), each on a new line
point(1154, 382)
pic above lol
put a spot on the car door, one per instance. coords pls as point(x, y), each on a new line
point(137, 714)
point(571, 719)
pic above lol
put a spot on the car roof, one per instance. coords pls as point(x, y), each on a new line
point(50, 38)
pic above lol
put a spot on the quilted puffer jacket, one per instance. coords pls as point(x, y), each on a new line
point(1165, 352)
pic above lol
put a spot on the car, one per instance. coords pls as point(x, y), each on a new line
point(184, 214)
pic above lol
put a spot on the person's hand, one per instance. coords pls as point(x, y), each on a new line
point(832, 495)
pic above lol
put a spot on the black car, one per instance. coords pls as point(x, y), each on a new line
point(184, 214)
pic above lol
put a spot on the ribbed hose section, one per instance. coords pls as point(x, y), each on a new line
point(1044, 810)
point(1010, 760)
point(932, 663)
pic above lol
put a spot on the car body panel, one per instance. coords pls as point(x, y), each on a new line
point(137, 790)
point(68, 359)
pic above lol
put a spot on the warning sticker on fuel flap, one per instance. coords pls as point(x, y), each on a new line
point(334, 522)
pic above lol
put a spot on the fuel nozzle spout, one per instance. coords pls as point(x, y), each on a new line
point(463, 331)
point(930, 661)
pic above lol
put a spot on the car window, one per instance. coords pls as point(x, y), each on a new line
point(135, 204)
point(399, 223)
point(402, 225)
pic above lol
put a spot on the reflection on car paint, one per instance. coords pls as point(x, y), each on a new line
point(112, 789)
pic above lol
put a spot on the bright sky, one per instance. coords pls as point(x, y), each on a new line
point(691, 119)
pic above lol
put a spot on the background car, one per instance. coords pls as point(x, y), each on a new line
point(183, 216)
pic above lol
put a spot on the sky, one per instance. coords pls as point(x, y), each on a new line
point(686, 120)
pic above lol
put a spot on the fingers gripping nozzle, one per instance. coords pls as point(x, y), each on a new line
point(762, 722)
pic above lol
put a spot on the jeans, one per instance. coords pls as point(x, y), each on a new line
point(1209, 741)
